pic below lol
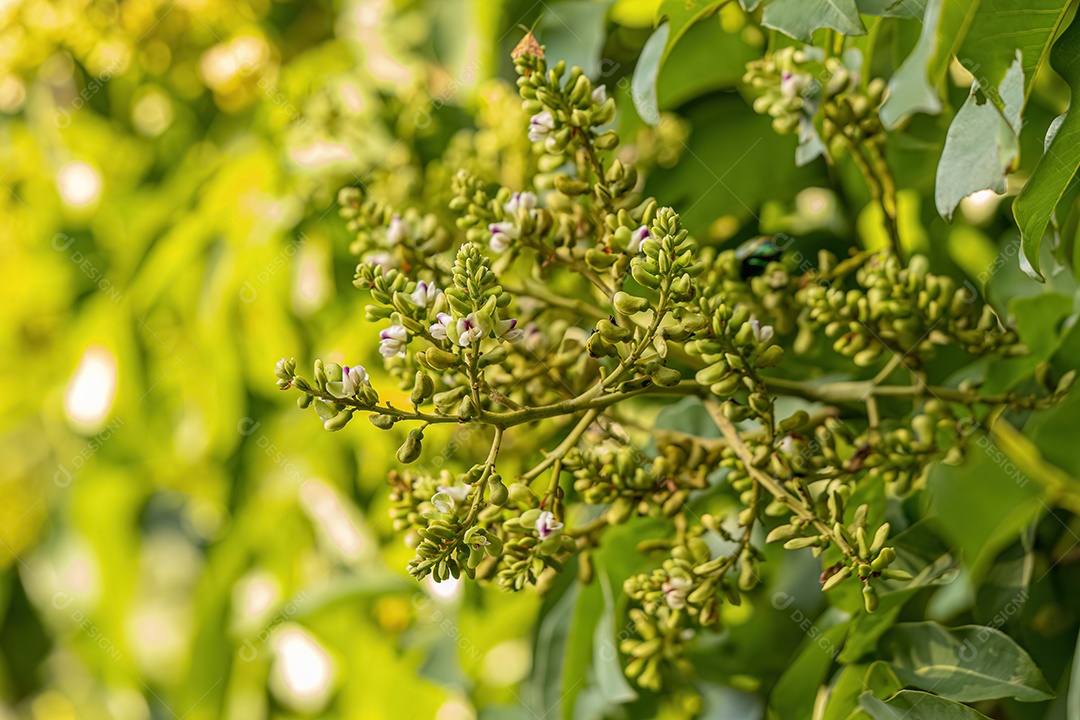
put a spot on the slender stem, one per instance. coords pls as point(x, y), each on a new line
point(564, 447)
point(535, 290)
point(797, 504)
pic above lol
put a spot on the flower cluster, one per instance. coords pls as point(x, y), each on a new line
point(544, 316)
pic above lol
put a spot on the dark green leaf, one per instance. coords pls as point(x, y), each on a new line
point(983, 504)
point(793, 696)
point(680, 16)
point(965, 664)
point(902, 706)
point(1002, 28)
point(1005, 589)
point(1055, 170)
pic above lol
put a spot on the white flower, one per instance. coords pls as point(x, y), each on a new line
point(459, 493)
point(393, 341)
point(599, 94)
point(438, 330)
point(541, 126)
point(520, 200)
point(546, 526)
point(637, 239)
point(534, 337)
point(443, 502)
point(675, 591)
point(501, 235)
point(791, 85)
point(469, 330)
point(381, 260)
point(508, 330)
point(351, 379)
point(398, 231)
point(762, 333)
point(424, 294)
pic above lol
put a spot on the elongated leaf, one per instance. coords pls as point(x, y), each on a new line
point(913, 87)
point(904, 704)
point(643, 86)
point(606, 664)
point(845, 692)
point(1054, 173)
point(981, 146)
point(1002, 28)
point(793, 696)
point(965, 664)
point(983, 504)
point(800, 18)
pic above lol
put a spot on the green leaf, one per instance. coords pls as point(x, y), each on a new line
point(680, 16)
point(983, 504)
point(902, 705)
point(965, 664)
point(1053, 432)
point(706, 59)
point(1072, 704)
point(881, 680)
point(1000, 29)
point(1005, 589)
point(982, 146)
point(1055, 170)
point(800, 18)
point(844, 695)
point(606, 664)
point(793, 696)
point(643, 85)
point(911, 9)
point(913, 87)
point(544, 691)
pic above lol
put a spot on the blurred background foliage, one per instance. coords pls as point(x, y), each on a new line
point(176, 541)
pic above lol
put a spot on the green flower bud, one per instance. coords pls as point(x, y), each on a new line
point(611, 332)
point(644, 277)
point(606, 141)
point(870, 598)
point(726, 386)
point(423, 388)
point(836, 578)
point(447, 401)
point(665, 376)
point(497, 492)
point(325, 410)
point(438, 360)
point(383, 422)
point(410, 449)
point(770, 357)
point(338, 421)
point(799, 419)
point(620, 510)
point(628, 304)
point(569, 186)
